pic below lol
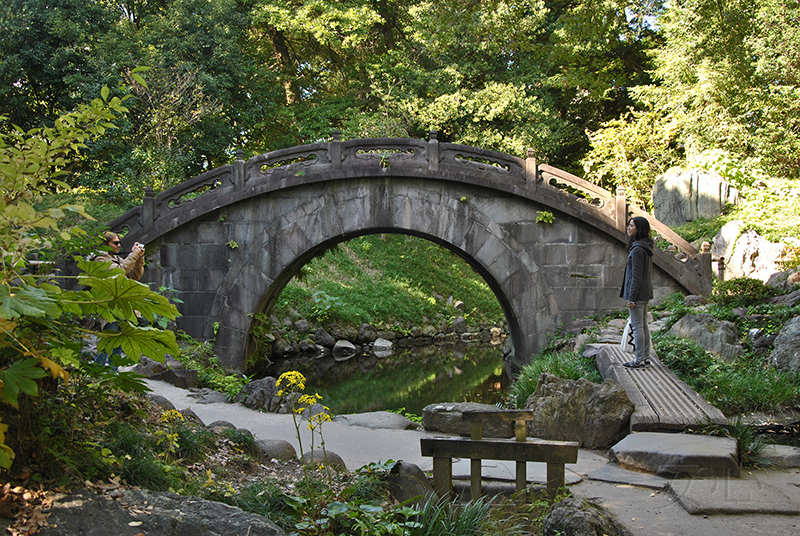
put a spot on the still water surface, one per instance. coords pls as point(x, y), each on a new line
point(412, 378)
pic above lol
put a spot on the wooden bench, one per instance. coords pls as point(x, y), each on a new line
point(521, 450)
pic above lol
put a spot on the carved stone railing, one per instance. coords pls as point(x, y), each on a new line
point(364, 158)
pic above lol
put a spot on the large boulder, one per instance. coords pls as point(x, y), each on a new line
point(723, 243)
point(260, 394)
point(407, 481)
point(718, 337)
point(786, 355)
point(785, 281)
point(183, 378)
point(581, 517)
point(322, 338)
point(276, 449)
point(789, 300)
point(378, 420)
point(754, 257)
point(448, 418)
point(596, 415)
point(681, 196)
point(678, 455)
point(366, 333)
point(343, 350)
point(134, 511)
point(319, 457)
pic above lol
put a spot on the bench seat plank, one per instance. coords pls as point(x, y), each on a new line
point(500, 449)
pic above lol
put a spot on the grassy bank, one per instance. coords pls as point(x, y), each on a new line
point(391, 279)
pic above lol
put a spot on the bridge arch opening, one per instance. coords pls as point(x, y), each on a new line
point(403, 295)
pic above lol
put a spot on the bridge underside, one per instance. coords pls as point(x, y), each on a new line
point(543, 274)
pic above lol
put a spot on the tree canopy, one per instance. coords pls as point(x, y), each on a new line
point(616, 90)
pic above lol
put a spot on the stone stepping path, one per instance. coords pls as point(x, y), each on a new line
point(663, 402)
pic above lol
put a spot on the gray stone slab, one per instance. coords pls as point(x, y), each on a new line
point(728, 496)
point(615, 474)
point(678, 455)
point(781, 455)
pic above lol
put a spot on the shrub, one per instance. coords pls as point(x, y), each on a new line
point(741, 292)
point(733, 387)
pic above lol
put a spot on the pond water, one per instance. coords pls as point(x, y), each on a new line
point(412, 378)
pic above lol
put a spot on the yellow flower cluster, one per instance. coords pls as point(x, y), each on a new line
point(171, 416)
point(291, 382)
point(309, 400)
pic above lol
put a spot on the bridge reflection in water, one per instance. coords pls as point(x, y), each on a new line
point(412, 378)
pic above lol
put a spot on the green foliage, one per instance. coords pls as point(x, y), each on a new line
point(410, 416)
point(701, 229)
point(40, 335)
point(632, 152)
point(741, 292)
point(265, 499)
point(194, 442)
point(323, 304)
point(243, 439)
point(199, 356)
point(521, 513)
point(441, 518)
point(140, 464)
point(749, 444)
point(545, 216)
point(746, 385)
point(724, 99)
point(565, 365)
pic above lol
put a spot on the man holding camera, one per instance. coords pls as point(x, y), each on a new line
point(133, 264)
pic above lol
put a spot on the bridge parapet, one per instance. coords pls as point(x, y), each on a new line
point(387, 157)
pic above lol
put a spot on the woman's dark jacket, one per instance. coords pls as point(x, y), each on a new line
point(637, 284)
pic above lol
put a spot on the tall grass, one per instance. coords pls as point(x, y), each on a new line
point(748, 384)
point(565, 365)
point(440, 518)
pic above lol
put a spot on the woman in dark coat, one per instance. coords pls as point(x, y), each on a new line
point(637, 288)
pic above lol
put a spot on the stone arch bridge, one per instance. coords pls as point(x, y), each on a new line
point(229, 240)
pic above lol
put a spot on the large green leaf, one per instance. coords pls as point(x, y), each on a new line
point(27, 301)
point(115, 297)
point(138, 341)
point(19, 377)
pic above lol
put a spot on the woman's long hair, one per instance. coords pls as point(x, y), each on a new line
point(642, 230)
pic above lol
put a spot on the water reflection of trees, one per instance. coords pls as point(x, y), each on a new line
point(415, 377)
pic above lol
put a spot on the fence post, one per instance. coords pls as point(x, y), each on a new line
point(148, 210)
point(621, 210)
point(531, 169)
point(336, 150)
point(238, 171)
point(706, 279)
point(433, 151)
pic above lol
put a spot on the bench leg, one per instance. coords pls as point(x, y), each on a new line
point(443, 477)
point(522, 475)
point(555, 478)
point(475, 479)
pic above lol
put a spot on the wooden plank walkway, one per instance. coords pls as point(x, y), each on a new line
point(663, 402)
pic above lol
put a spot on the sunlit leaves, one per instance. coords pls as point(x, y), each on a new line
point(139, 341)
point(6, 454)
point(18, 378)
point(37, 333)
